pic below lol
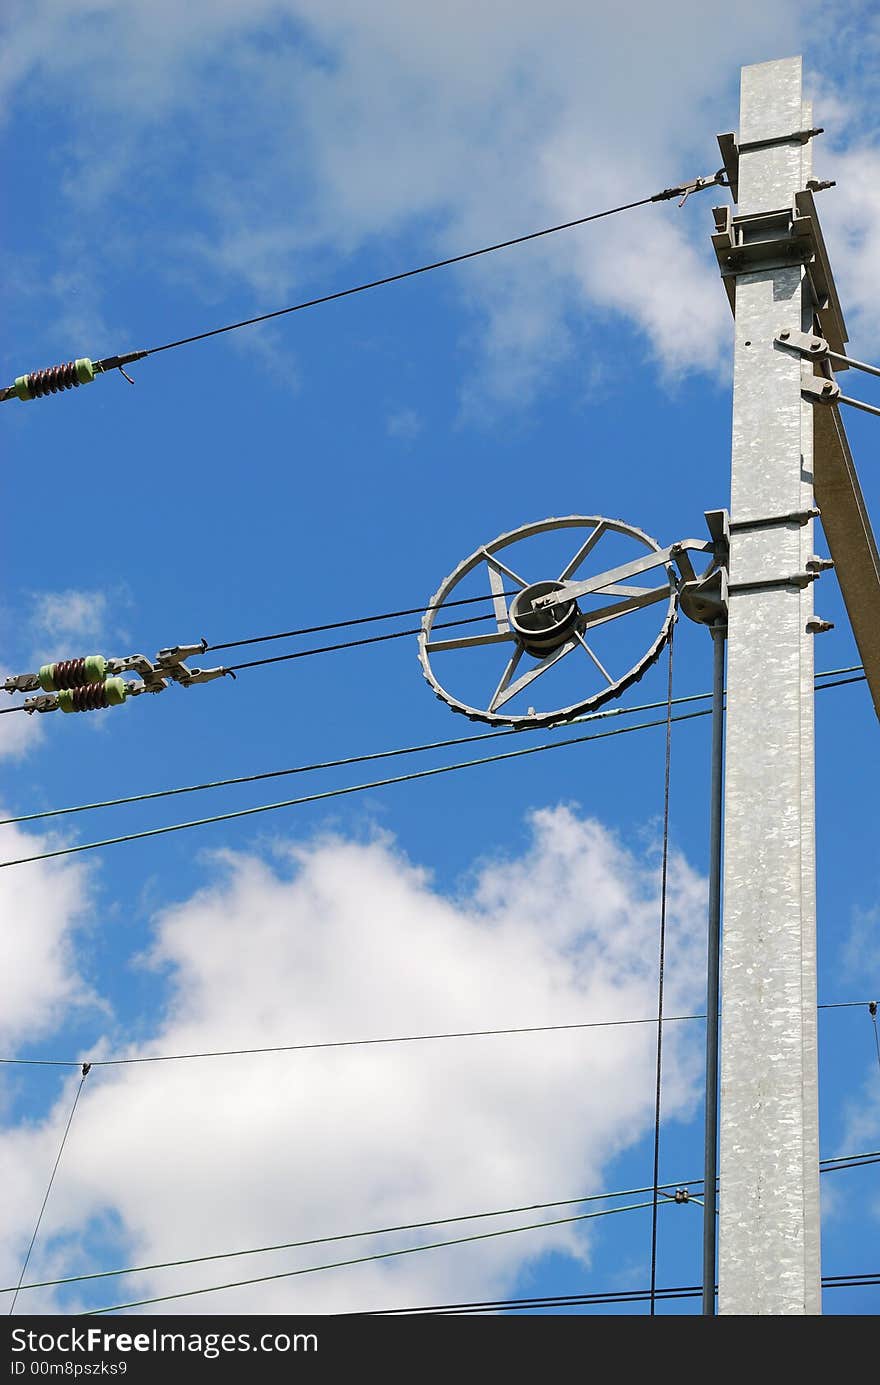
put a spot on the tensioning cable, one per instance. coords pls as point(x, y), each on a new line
point(83, 370)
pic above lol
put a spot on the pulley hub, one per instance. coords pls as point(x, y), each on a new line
point(542, 630)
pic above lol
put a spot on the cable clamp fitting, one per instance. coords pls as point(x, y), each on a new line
point(171, 662)
point(685, 190)
point(21, 682)
point(169, 665)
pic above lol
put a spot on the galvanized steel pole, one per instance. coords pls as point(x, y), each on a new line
point(768, 1260)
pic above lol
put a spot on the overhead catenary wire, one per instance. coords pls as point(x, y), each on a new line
point(345, 790)
point(344, 1236)
point(352, 644)
point(329, 648)
point(382, 1255)
point(344, 1043)
point(357, 620)
point(334, 764)
point(606, 1298)
point(662, 196)
point(858, 1162)
point(66, 376)
point(384, 1040)
point(332, 793)
point(381, 754)
point(873, 1156)
point(84, 1075)
point(369, 1259)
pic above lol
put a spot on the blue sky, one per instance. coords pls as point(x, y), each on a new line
point(168, 172)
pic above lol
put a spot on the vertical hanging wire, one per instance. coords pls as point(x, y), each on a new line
point(713, 969)
point(664, 871)
point(872, 1011)
point(85, 1073)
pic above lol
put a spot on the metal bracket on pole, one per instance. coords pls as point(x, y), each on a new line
point(704, 599)
point(730, 152)
point(774, 239)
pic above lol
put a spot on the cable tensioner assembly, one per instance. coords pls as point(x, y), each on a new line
point(90, 682)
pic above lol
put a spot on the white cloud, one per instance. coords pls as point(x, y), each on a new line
point(862, 1127)
point(346, 940)
point(861, 955)
point(42, 905)
point(19, 732)
point(851, 214)
point(59, 617)
point(76, 621)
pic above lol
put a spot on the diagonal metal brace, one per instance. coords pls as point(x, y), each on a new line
point(663, 557)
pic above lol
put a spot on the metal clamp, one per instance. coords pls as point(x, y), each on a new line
point(141, 665)
point(730, 152)
point(169, 664)
point(686, 190)
point(21, 682)
point(45, 702)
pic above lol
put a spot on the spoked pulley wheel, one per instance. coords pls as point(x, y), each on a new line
point(573, 621)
